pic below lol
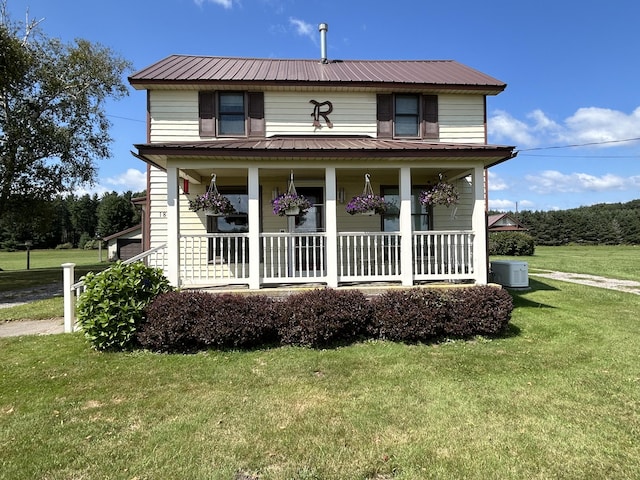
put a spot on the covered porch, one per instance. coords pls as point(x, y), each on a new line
point(411, 243)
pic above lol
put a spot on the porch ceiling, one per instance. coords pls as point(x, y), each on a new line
point(322, 149)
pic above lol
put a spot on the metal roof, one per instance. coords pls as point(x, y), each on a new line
point(207, 70)
point(327, 147)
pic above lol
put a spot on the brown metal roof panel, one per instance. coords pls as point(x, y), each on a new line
point(194, 68)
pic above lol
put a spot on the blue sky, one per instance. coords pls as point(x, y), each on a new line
point(571, 69)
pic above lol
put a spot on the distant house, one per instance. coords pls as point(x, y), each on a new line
point(504, 222)
point(124, 245)
point(255, 124)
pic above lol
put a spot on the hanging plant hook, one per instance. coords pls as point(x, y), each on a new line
point(213, 188)
point(367, 185)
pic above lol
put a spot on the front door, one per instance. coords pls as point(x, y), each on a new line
point(310, 249)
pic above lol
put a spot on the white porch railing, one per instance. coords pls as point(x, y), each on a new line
point(293, 258)
point(223, 259)
point(368, 256)
point(155, 257)
point(443, 255)
point(214, 259)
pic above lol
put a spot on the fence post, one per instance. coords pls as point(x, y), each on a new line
point(69, 297)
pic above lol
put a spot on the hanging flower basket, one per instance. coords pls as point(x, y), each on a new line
point(212, 202)
point(290, 203)
point(368, 203)
point(442, 193)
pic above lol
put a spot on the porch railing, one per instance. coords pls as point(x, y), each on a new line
point(222, 259)
point(368, 256)
point(443, 255)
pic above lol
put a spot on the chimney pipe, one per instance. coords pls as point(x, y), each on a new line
point(323, 28)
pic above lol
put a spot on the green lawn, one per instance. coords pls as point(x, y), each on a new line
point(557, 398)
point(615, 261)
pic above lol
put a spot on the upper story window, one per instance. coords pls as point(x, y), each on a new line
point(231, 120)
point(231, 114)
point(408, 116)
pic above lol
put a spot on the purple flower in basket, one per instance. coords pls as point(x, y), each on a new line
point(212, 201)
point(442, 193)
point(366, 203)
point(288, 201)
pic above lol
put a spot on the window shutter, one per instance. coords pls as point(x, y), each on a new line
point(256, 114)
point(430, 126)
point(207, 113)
point(385, 115)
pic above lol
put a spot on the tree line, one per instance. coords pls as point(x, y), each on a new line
point(70, 221)
point(605, 224)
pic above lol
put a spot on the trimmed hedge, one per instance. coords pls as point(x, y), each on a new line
point(323, 317)
point(189, 321)
point(511, 243)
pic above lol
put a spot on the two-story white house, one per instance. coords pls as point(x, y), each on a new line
point(254, 124)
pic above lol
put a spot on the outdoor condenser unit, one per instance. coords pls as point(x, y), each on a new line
point(509, 273)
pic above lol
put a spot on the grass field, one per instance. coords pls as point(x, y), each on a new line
point(559, 397)
point(615, 261)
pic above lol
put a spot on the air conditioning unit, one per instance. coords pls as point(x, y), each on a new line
point(509, 273)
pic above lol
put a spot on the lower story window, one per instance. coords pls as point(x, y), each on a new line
point(421, 216)
point(229, 248)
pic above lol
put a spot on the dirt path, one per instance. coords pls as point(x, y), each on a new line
point(628, 286)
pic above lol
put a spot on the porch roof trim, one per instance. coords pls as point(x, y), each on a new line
point(325, 147)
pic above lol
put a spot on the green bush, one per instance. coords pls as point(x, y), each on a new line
point(511, 243)
point(64, 246)
point(111, 309)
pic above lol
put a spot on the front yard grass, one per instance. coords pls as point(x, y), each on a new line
point(559, 397)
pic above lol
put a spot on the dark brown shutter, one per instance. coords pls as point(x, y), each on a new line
point(385, 115)
point(256, 114)
point(207, 113)
point(430, 126)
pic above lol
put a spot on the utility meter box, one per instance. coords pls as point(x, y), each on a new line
point(510, 273)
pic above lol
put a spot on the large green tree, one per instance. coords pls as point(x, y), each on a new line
point(53, 125)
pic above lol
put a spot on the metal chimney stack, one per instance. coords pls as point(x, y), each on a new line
point(323, 42)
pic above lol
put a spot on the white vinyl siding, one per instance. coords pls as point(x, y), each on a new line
point(456, 217)
point(461, 118)
point(291, 113)
point(174, 115)
point(158, 207)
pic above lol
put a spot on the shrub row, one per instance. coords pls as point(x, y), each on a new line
point(511, 243)
point(189, 321)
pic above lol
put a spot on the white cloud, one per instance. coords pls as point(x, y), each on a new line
point(303, 28)
point(501, 205)
point(586, 125)
point(223, 3)
point(132, 179)
point(552, 181)
point(496, 183)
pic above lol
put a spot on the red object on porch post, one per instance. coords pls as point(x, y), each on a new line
point(185, 185)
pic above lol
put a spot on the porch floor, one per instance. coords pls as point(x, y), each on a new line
point(369, 289)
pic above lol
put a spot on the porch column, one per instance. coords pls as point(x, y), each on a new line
point(173, 227)
point(406, 250)
point(331, 231)
point(479, 227)
point(254, 227)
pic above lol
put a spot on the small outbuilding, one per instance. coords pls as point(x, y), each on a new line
point(504, 222)
point(125, 244)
